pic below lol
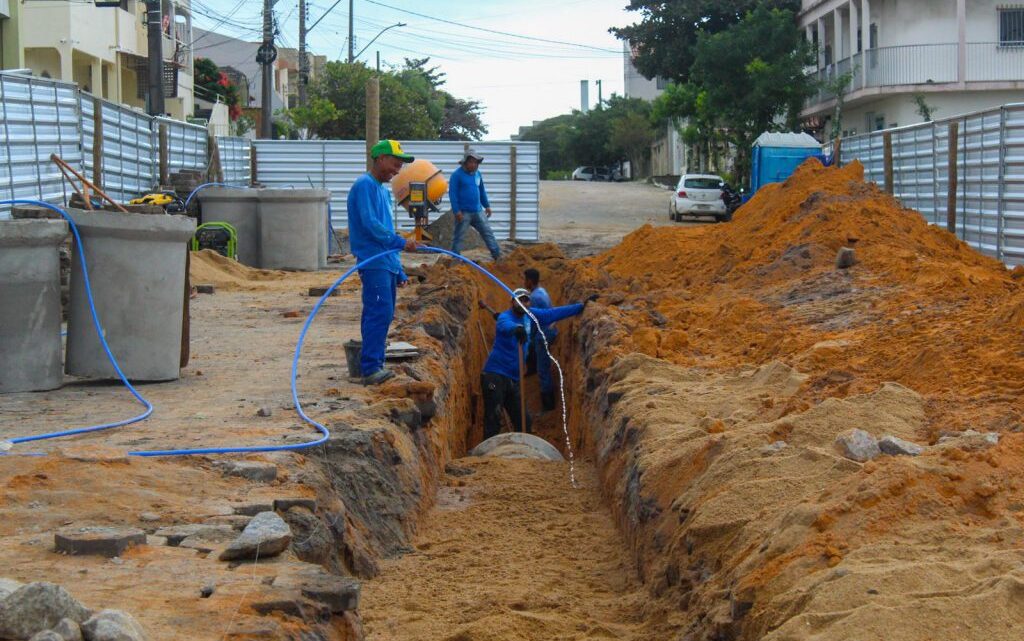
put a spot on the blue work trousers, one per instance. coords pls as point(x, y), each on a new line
point(380, 290)
point(479, 222)
point(547, 382)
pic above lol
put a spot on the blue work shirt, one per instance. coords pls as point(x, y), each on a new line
point(504, 357)
point(370, 228)
point(466, 192)
point(539, 299)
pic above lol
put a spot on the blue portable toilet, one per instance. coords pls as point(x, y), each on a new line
point(777, 155)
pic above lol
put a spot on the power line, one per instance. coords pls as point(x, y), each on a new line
point(494, 31)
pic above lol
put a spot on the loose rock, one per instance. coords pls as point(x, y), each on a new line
point(267, 535)
point(68, 630)
point(257, 471)
point(283, 505)
point(175, 534)
point(149, 517)
point(7, 586)
point(894, 446)
point(264, 412)
point(846, 258)
point(858, 445)
point(252, 509)
point(46, 635)
point(205, 289)
point(36, 607)
point(98, 540)
point(113, 625)
point(236, 521)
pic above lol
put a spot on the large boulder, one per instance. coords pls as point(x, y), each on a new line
point(266, 535)
point(113, 625)
point(442, 231)
point(37, 607)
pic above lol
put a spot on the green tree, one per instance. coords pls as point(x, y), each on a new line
point(553, 135)
point(665, 40)
point(462, 119)
point(211, 83)
point(308, 122)
point(745, 80)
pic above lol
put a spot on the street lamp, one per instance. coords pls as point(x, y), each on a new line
point(397, 24)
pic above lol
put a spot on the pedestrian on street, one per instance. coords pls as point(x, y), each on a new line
point(470, 204)
point(539, 299)
point(372, 232)
point(500, 378)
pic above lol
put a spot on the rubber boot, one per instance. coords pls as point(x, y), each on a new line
point(547, 400)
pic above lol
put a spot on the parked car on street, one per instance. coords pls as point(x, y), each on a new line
point(584, 173)
point(698, 195)
point(597, 174)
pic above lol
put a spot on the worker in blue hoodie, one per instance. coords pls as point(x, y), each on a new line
point(500, 378)
point(470, 205)
point(372, 232)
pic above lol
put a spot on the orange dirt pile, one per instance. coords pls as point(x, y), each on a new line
point(722, 362)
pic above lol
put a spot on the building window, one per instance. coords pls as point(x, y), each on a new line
point(1011, 27)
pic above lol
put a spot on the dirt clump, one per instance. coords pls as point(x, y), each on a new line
point(711, 382)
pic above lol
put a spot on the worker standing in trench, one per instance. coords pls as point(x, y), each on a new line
point(372, 232)
point(539, 299)
point(502, 371)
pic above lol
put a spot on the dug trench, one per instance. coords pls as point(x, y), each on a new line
point(789, 449)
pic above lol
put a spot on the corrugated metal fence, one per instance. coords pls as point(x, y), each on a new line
point(235, 160)
point(335, 164)
point(990, 169)
point(38, 118)
point(130, 163)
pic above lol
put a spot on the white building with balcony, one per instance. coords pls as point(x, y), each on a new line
point(103, 49)
point(958, 56)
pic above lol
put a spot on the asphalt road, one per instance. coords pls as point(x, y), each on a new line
point(588, 217)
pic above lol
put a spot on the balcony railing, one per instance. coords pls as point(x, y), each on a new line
point(921, 65)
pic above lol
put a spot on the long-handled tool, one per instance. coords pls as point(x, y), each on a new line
point(522, 390)
point(86, 185)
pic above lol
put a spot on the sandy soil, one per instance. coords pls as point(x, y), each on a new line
point(512, 553)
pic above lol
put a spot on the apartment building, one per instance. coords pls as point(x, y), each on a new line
point(903, 58)
point(668, 153)
point(102, 49)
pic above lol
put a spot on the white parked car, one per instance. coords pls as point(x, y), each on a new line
point(698, 195)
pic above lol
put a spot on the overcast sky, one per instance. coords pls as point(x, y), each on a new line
point(518, 80)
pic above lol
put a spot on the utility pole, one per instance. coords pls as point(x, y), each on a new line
point(600, 99)
point(266, 56)
point(154, 28)
point(303, 58)
point(351, 34)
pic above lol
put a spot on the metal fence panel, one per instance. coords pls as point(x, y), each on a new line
point(235, 160)
point(186, 145)
point(38, 117)
point(130, 155)
point(335, 164)
point(990, 170)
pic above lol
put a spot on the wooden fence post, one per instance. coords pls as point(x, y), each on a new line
point(165, 172)
point(254, 166)
point(954, 145)
point(372, 117)
point(215, 173)
point(887, 142)
point(512, 195)
point(97, 142)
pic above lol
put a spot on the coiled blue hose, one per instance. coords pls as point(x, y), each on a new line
point(324, 432)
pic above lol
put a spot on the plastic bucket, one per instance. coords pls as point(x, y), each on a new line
point(353, 353)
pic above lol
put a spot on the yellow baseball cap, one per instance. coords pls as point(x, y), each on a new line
point(390, 148)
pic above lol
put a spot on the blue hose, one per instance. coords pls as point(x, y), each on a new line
point(324, 432)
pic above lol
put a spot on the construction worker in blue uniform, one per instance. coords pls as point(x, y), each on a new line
point(500, 378)
point(470, 205)
point(372, 232)
point(539, 299)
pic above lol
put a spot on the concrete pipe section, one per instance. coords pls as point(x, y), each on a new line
point(137, 271)
point(293, 228)
point(517, 445)
point(240, 208)
point(30, 311)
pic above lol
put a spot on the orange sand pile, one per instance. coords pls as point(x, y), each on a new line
point(724, 361)
point(208, 267)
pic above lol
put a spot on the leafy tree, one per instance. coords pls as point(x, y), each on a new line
point(462, 119)
point(214, 83)
point(554, 136)
point(665, 40)
point(839, 87)
point(745, 80)
point(925, 110)
point(307, 122)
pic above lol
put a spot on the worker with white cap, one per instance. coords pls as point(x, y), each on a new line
point(502, 375)
point(470, 204)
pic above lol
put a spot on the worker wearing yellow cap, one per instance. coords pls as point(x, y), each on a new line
point(372, 232)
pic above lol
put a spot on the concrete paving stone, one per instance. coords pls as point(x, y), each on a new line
point(175, 534)
point(236, 521)
point(36, 607)
point(267, 535)
point(113, 625)
point(97, 540)
point(894, 446)
point(257, 471)
point(252, 509)
point(858, 445)
point(283, 505)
